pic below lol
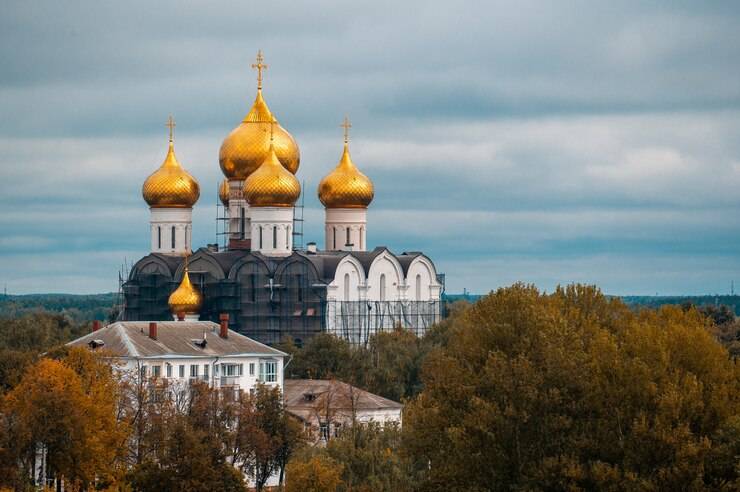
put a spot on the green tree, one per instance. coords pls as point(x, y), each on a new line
point(572, 391)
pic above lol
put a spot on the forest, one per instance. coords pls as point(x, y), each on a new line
point(522, 390)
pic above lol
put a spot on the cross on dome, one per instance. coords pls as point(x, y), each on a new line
point(259, 66)
point(346, 125)
point(171, 125)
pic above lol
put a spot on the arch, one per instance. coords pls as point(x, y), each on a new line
point(152, 264)
point(260, 262)
point(417, 283)
point(381, 287)
point(423, 269)
point(348, 267)
point(202, 261)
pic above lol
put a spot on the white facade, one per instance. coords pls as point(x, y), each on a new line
point(272, 230)
point(171, 230)
point(345, 229)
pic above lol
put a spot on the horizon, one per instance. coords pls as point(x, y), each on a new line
point(551, 145)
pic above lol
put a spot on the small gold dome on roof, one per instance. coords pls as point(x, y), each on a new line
point(271, 185)
point(223, 192)
point(170, 186)
point(247, 146)
point(185, 299)
point(346, 186)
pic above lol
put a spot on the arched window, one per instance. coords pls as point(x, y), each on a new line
point(274, 237)
point(243, 221)
point(348, 241)
point(159, 237)
point(287, 237)
point(335, 238)
point(418, 287)
point(346, 286)
point(362, 239)
point(173, 237)
point(382, 286)
point(260, 237)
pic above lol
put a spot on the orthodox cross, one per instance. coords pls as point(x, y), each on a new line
point(259, 66)
point(346, 125)
point(171, 125)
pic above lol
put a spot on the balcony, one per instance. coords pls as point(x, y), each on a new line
point(232, 381)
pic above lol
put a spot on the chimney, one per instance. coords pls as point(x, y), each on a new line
point(311, 247)
point(180, 316)
point(224, 331)
point(153, 330)
point(96, 325)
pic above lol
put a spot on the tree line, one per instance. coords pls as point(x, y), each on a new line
point(523, 390)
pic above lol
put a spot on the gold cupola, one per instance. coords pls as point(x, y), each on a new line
point(247, 146)
point(223, 192)
point(346, 186)
point(271, 185)
point(170, 186)
point(186, 299)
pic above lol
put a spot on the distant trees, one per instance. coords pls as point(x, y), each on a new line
point(574, 391)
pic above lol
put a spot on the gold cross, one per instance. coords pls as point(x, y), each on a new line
point(259, 66)
point(171, 125)
point(346, 125)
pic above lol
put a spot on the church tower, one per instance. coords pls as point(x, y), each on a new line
point(171, 193)
point(346, 194)
point(271, 192)
point(244, 150)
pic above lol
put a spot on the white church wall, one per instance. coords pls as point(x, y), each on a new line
point(272, 230)
point(421, 279)
point(338, 222)
point(385, 280)
point(162, 223)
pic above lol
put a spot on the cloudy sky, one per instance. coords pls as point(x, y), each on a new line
point(549, 143)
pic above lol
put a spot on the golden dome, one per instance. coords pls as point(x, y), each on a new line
point(186, 298)
point(170, 186)
point(223, 192)
point(271, 185)
point(346, 186)
point(246, 147)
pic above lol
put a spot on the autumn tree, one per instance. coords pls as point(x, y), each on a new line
point(574, 391)
point(65, 413)
point(317, 474)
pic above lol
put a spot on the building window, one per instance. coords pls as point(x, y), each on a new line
point(169, 370)
point(268, 371)
point(418, 287)
point(335, 238)
point(156, 371)
point(243, 221)
point(346, 286)
point(193, 370)
point(324, 431)
point(182, 370)
point(143, 371)
point(260, 237)
point(251, 368)
point(362, 239)
point(232, 369)
point(347, 236)
point(274, 237)
point(206, 371)
point(287, 237)
point(173, 237)
point(382, 286)
point(159, 237)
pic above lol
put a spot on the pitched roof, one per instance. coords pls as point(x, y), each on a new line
point(340, 394)
point(174, 339)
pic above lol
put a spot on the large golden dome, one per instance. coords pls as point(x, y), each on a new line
point(170, 186)
point(346, 186)
point(223, 192)
point(246, 147)
point(271, 185)
point(185, 299)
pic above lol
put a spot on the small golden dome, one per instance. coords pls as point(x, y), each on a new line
point(186, 298)
point(170, 186)
point(223, 192)
point(246, 147)
point(346, 186)
point(271, 185)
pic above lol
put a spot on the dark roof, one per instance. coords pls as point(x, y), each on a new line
point(174, 338)
point(296, 390)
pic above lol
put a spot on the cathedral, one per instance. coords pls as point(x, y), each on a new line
point(267, 287)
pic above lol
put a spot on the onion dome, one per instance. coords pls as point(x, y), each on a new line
point(185, 299)
point(271, 185)
point(346, 186)
point(223, 192)
point(170, 186)
point(247, 146)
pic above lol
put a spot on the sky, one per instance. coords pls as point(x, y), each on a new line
point(534, 141)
